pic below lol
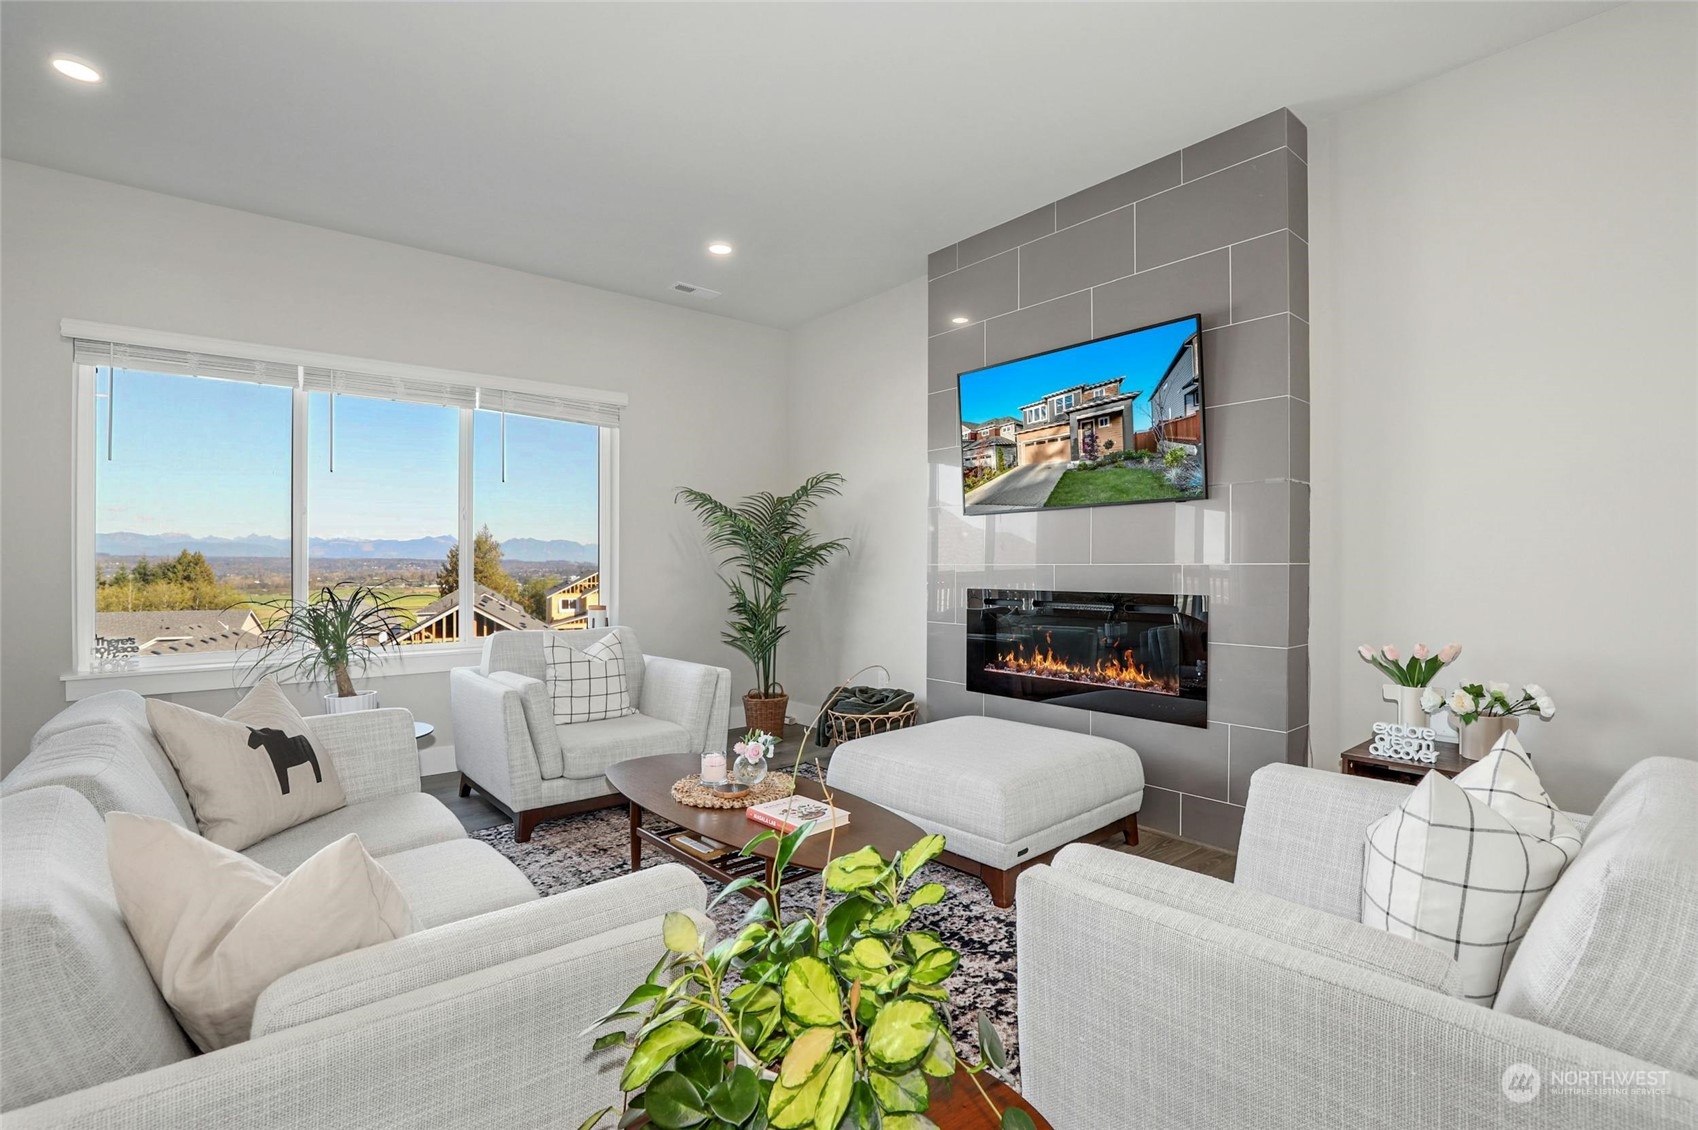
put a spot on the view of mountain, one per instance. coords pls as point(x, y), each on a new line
point(124, 544)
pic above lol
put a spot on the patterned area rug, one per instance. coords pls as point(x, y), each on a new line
point(580, 850)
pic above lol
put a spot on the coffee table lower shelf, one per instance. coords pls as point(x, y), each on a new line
point(661, 840)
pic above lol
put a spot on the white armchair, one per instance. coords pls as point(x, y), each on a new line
point(507, 746)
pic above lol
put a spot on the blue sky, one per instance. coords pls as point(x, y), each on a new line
point(1142, 358)
point(211, 458)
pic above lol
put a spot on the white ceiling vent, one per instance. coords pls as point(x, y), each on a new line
point(691, 290)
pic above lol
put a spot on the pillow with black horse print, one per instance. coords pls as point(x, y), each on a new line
point(251, 773)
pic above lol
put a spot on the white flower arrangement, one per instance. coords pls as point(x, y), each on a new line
point(1417, 671)
point(757, 745)
point(1473, 701)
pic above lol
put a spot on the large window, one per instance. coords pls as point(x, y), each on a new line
point(211, 485)
point(191, 521)
point(533, 493)
point(383, 505)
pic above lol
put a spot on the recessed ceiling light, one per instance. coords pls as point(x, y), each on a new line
point(74, 68)
point(960, 319)
point(719, 247)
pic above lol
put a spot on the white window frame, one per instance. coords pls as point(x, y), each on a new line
point(167, 674)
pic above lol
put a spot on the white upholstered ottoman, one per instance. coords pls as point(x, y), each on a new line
point(1005, 794)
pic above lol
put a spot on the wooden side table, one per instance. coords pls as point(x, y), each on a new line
point(1358, 762)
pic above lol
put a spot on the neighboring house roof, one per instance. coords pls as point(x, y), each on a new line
point(487, 603)
point(997, 422)
point(181, 631)
point(586, 583)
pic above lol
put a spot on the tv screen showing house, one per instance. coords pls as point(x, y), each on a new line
point(1105, 422)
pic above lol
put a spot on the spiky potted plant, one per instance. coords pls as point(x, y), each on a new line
point(832, 1020)
point(767, 550)
point(327, 638)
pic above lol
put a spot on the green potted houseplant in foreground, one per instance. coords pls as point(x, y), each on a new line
point(340, 630)
point(768, 549)
point(831, 1021)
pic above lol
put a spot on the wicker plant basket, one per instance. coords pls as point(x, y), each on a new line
point(848, 727)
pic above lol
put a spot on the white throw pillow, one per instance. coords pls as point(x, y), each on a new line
point(587, 685)
point(251, 773)
point(1462, 866)
point(216, 928)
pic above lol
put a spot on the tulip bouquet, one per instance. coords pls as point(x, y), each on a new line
point(1418, 670)
point(1473, 701)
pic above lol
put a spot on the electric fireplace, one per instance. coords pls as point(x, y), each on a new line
point(1140, 654)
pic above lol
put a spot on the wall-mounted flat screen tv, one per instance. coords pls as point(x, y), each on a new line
point(1105, 422)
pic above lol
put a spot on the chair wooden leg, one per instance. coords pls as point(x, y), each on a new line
point(523, 824)
point(1132, 830)
point(465, 786)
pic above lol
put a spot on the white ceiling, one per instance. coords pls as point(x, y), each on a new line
point(833, 144)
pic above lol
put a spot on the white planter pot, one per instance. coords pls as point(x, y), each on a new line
point(336, 704)
point(1408, 699)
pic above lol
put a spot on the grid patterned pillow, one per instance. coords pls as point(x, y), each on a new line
point(1462, 866)
point(587, 685)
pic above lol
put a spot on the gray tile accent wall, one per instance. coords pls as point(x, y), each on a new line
point(1219, 229)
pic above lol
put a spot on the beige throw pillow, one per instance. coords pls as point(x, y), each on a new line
point(216, 928)
point(251, 773)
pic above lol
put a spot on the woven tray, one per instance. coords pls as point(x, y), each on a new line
point(774, 786)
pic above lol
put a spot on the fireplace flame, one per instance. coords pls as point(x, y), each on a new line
point(1121, 672)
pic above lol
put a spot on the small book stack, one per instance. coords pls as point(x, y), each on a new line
point(791, 812)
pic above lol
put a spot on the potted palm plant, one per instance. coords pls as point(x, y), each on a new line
point(327, 638)
point(768, 549)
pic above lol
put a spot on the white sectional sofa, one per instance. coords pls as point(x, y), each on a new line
point(474, 1019)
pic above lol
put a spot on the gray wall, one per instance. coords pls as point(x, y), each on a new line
point(1219, 228)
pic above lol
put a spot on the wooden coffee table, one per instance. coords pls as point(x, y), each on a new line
point(957, 1105)
point(647, 783)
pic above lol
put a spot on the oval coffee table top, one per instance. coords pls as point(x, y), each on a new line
point(648, 781)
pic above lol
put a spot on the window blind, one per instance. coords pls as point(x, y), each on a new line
point(182, 362)
point(314, 372)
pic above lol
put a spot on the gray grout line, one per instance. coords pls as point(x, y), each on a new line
point(1120, 208)
point(1227, 247)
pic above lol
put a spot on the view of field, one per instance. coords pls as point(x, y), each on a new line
point(192, 580)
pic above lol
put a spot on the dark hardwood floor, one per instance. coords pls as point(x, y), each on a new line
point(474, 812)
point(477, 814)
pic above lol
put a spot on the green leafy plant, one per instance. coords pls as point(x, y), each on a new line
point(1175, 456)
point(768, 549)
point(833, 1020)
point(338, 631)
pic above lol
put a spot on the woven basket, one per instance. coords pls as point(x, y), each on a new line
point(848, 727)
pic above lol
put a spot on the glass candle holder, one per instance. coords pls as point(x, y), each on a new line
point(713, 768)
